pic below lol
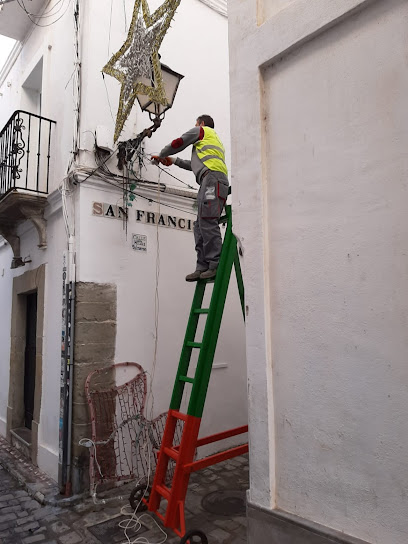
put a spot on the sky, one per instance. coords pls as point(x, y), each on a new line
point(6, 45)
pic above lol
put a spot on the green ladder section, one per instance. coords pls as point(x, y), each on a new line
point(229, 258)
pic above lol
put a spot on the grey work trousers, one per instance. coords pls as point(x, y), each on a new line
point(211, 198)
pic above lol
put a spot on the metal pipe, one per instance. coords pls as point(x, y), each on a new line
point(72, 279)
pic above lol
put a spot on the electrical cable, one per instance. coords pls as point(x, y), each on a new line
point(156, 312)
point(110, 28)
point(172, 175)
point(99, 166)
point(34, 22)
point(107, 95)
point(45, 14)
point(69, 224)
point(134, 521)
point(124, 12)
point(181, 181)
point(128, 191)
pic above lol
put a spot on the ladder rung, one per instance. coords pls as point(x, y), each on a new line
point(201, 311)
point(186, 379)
point(163, 491)
point(178, 415)
point(170, 452)
point(194, 344)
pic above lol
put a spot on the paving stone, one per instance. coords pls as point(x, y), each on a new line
point(227, 524)
point(28, 527)
point(20, 493)
point(70, 538)
point(32, 505)
point(6, 525)
point(218, 536)
point(22, 514)
point(59, 527)
point(25, 519)
point(44, 512)
point(51, 518)
point(7, 517)
point(9, 509)
point(33, 539)
point(6, 498)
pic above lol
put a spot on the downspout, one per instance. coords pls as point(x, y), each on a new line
point(71, 255)
point(70, 359)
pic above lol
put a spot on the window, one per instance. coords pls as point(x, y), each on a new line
point(32, 89)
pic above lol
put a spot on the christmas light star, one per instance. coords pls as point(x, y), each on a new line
point(135, 59)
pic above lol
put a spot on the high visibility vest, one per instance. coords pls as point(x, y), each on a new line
point(211, 151)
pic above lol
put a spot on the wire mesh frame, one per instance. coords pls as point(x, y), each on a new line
point(125, 444)
point(116, 417)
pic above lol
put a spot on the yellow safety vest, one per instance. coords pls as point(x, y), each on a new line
point(211, 151)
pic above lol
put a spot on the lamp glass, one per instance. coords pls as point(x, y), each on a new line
point(171, 81)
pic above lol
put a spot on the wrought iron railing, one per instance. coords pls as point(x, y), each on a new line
point(25, 145)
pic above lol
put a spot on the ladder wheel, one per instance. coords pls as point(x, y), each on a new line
point(194, 537)
point(135, 498)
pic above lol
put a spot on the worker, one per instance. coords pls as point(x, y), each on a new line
point(208, 164)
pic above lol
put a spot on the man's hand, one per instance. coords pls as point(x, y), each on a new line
point(167, 161)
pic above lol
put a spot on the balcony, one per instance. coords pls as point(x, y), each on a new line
point(25, 153)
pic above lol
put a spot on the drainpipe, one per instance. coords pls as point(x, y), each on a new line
point(70, 359)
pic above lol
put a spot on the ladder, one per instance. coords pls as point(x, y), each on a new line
point(182, 455)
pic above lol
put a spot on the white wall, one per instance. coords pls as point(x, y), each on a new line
point(337, 162)
point(48, 439)
point(330, 165)
point(6, 285)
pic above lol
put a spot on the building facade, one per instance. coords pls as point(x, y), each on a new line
point(68, 217)
point(318, 91)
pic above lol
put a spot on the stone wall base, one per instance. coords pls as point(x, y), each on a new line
point(278, 527)
point(95, 340)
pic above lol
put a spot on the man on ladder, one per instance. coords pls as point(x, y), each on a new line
point(208, 164)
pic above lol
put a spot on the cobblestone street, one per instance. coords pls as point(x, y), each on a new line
point(218, 488)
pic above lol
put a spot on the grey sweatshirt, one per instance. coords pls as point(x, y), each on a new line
point(196, 165)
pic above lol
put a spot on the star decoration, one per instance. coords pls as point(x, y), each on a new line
point(132, 64)
point(136, 62)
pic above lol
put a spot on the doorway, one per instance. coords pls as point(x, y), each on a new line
point(30, 359)
point(26, 349)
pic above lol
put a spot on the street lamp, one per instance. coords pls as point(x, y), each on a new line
point(171, 81)
point(156, 111)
